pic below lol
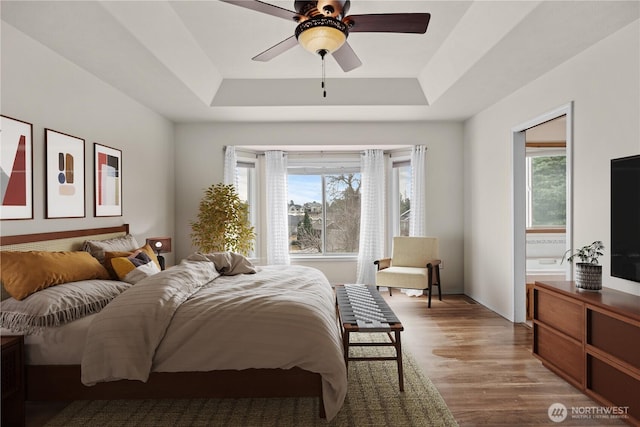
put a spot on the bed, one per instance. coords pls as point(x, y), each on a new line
point(213, 343)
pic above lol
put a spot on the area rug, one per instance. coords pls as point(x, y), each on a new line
point(373, 400)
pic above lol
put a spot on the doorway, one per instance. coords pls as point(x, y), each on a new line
point(536, 245)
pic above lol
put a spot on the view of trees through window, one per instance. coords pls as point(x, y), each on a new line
point(404, 197)
point(324, 213)
point(547, 199)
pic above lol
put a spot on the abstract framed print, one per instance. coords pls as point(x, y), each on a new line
point(16, 169)
point(64, 175)
point(107, 180)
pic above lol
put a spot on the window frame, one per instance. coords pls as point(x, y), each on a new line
point(396, 164)
point(249, 162)
point(323, 165)
point(541, 150)
point(253, 154)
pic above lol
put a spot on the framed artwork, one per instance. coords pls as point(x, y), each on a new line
point(107, 180)
point(16, 169)
point(64, 175)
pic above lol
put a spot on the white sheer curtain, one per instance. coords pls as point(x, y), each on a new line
point(277, 221)
point(417, 220)
point(230, 162)
point(372, 215)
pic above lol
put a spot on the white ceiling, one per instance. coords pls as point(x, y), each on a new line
point(191, 60)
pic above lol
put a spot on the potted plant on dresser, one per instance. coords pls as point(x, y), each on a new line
point(588, 271)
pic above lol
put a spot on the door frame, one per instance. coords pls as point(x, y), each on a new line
point(519, 201)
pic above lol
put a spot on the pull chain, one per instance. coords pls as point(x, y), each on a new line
point(324, 86)
point(324, 90)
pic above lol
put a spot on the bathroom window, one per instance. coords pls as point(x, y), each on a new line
point(546, 189)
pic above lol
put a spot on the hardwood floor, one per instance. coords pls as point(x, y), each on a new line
point(480, 362)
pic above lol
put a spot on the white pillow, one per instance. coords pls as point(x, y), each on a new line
point(58, 305)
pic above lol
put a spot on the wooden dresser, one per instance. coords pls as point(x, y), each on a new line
point(592, 340)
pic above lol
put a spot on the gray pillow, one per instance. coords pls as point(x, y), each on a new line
point(231, 263)
point(58, 305)
point(97, 248)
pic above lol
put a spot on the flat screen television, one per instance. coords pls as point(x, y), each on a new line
point(625, 218)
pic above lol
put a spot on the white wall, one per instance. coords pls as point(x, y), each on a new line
point(604, 85)
point(43, 88)
point(199, 163)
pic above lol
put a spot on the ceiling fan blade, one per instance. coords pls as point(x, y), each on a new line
point(267, 8)
point(346, 58)
point(276, 50)
point(415, 23)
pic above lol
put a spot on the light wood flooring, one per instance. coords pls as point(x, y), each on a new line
point(480, 362)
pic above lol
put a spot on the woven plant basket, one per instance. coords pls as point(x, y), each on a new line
point(588, 276)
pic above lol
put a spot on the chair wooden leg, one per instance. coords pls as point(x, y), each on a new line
point(430, 282)
point(438, 282)
point(390, 294)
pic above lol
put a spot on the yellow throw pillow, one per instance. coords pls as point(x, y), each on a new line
point(109, 256)
point(135, 267)
point(23, 273)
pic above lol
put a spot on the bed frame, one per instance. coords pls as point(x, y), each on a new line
point(62, 382)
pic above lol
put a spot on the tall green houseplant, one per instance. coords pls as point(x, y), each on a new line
point(223, 222)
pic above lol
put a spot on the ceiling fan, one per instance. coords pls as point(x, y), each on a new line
point(323, 27)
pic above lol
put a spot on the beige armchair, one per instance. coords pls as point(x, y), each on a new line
point(414, 264)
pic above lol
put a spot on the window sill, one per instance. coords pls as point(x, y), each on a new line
point(324, 258)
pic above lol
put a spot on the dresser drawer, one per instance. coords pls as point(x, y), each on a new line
point(613, 336)
point(614, 385)
point(562, 314)
point(565, 355)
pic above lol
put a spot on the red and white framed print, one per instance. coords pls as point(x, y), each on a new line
point(108, 180)
point(16, 169)
point(65, 175)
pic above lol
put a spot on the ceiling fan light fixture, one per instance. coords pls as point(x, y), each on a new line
point(321, 34)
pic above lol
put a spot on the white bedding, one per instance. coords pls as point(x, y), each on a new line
point(58, 345)
point(280, 317)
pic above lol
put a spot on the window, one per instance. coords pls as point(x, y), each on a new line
point(246, 171)
point(401, 194)
point(324, 210)
point(324, 199)
point(546, 189)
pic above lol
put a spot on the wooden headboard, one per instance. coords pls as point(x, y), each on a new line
point(71, 240)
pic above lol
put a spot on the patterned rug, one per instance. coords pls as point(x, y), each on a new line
point(373, 400)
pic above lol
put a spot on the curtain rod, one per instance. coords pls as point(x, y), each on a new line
point(402, 151)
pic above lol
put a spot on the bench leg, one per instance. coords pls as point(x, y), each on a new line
point(399, 359)
point(345, 347)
